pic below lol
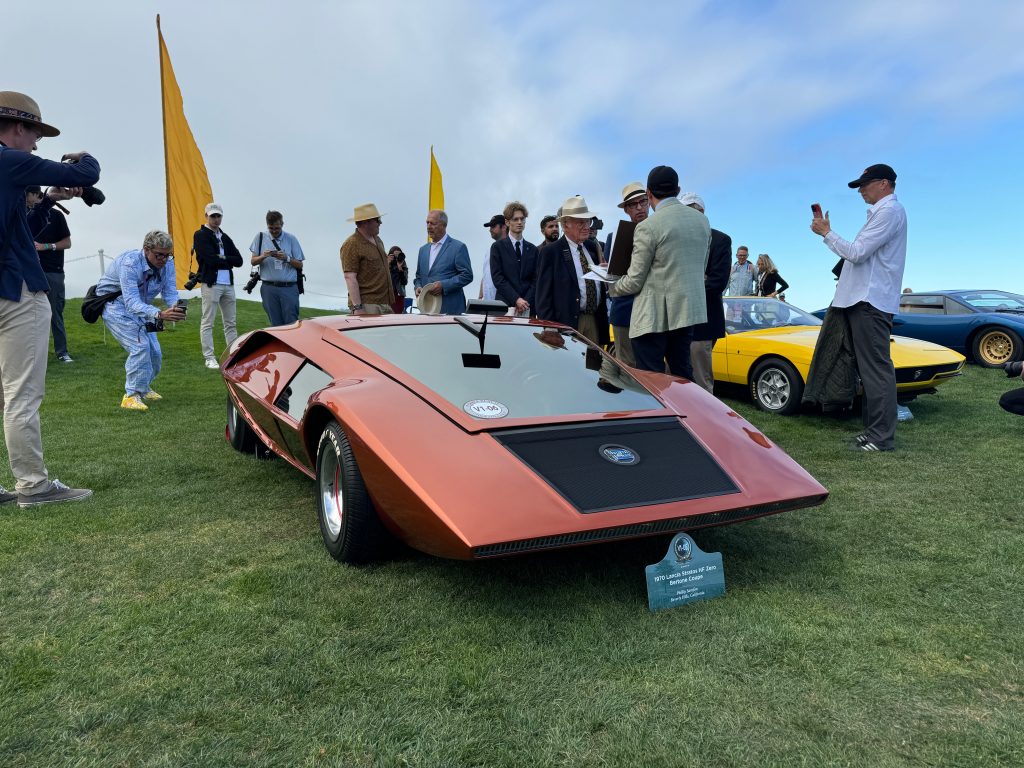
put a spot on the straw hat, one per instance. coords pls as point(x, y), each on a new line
point(576, 208)
point(429, 303)
point(631, 191)
point(365, 212)
point(18, 106)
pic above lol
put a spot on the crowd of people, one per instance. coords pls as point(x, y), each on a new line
point(664, 309)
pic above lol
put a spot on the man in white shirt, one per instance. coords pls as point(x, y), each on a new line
point(868, 294)
point(513, 263)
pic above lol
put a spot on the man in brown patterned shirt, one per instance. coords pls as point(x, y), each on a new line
point(365, 264)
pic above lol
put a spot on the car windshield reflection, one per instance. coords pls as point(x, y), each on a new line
point(753, 314)
point(544, 371)
point(993, 301)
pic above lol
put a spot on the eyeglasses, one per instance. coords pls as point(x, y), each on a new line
point(160, 254)
point(518, 218)
point(637, 204)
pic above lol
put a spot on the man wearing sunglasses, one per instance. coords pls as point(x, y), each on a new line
point(139, 277)
point(24, 308)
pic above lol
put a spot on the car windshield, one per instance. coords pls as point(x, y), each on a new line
point(750, 314)
point(544, 371)
point(993, 301)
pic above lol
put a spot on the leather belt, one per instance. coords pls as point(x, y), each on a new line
point(277, 284)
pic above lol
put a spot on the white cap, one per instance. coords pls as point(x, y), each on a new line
point(691, 198)
point(214, 208)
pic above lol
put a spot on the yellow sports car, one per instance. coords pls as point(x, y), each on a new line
point(769, 344)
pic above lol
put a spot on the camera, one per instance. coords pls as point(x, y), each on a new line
point(399, 256)
point(154, 326)
point(1013, 370)
point(254, 277)
point(92, 196)
point(193, 279)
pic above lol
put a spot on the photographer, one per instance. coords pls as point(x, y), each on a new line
point(52, 237)
point(138, 277)
point(24, 309)
point(399, 277)
point(279, 257)
point(216, 254)
point(1013, 401)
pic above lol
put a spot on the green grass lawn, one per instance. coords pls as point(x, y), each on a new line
point(188, 614)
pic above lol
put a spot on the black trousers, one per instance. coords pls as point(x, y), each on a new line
point(870, 329)
point(653, 350)
point(1013, 401)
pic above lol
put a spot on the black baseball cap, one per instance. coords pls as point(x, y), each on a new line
point(497, 220)
point(873, 172)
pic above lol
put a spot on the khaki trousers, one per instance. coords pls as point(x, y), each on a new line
point(377, 309)
point(700, 360)
point(24, 343)
point(623, 345)
point(215, 296)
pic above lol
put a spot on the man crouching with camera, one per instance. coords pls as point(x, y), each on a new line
point(138, 277)
point(1013, 401)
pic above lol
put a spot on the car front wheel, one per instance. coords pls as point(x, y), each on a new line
point(349, 525)
point(242, 437)
point(776, 387)
point(995, 347)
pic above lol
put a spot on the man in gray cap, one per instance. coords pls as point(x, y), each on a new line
point(666, 273)
point(868, 294)
point(24, 308)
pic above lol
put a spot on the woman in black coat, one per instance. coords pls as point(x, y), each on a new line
point(769, 281)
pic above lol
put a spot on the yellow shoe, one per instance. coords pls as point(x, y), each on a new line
point(151, 395)
point(133, 403)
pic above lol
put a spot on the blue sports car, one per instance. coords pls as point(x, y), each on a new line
point(984, 325)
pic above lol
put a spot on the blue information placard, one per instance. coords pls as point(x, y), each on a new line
point(687, 574)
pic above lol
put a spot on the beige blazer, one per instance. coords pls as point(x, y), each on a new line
point(670, 252)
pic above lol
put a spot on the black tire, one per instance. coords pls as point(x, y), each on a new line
point(995, 347)
point(776, 387)
point(241, 436)
point(349, 525)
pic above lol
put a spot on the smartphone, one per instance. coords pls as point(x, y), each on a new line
point(816, 210)
point(183, 306)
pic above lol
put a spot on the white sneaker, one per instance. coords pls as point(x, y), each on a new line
point(212, 364)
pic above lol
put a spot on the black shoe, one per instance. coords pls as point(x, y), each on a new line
point(860, 439)
point(869, 447)
point(6, 496)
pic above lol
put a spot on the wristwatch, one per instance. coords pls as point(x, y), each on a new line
point(356, 306)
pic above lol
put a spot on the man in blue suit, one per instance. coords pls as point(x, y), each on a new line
point(443, 266)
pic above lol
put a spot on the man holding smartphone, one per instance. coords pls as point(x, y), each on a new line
point(868, 295)
point(279, 257)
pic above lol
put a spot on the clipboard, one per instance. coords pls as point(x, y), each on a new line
point(622, 249)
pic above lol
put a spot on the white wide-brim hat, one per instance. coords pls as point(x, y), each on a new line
point(429, 303)
point(576, 208)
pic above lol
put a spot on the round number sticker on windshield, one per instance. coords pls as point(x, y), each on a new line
point(485, 409)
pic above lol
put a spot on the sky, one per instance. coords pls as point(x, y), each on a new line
point(763, 108)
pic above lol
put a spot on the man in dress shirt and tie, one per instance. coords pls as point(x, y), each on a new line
point(513, 263)
point(443, 266)
point(868, 295)
point(562, 295)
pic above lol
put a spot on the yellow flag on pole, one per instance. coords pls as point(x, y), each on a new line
point(188, 186)
point(436, 195)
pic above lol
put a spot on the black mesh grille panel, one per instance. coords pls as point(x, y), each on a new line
point(670, 464)
point(642, 529)
point(924, 372)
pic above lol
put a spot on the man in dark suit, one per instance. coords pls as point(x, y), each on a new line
point(562, 294)
point(716, 278)
point(513, 263)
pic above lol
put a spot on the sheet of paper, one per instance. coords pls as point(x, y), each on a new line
point(598, 274)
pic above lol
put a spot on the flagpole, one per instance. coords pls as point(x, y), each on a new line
point(163, 121)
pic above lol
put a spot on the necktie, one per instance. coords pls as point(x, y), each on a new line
point(591, 286)
point(519, 249)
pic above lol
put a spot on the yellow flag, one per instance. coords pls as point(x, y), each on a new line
point(188, 187)
point(436, 202)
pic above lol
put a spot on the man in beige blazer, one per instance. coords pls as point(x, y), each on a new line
point(670, 251)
